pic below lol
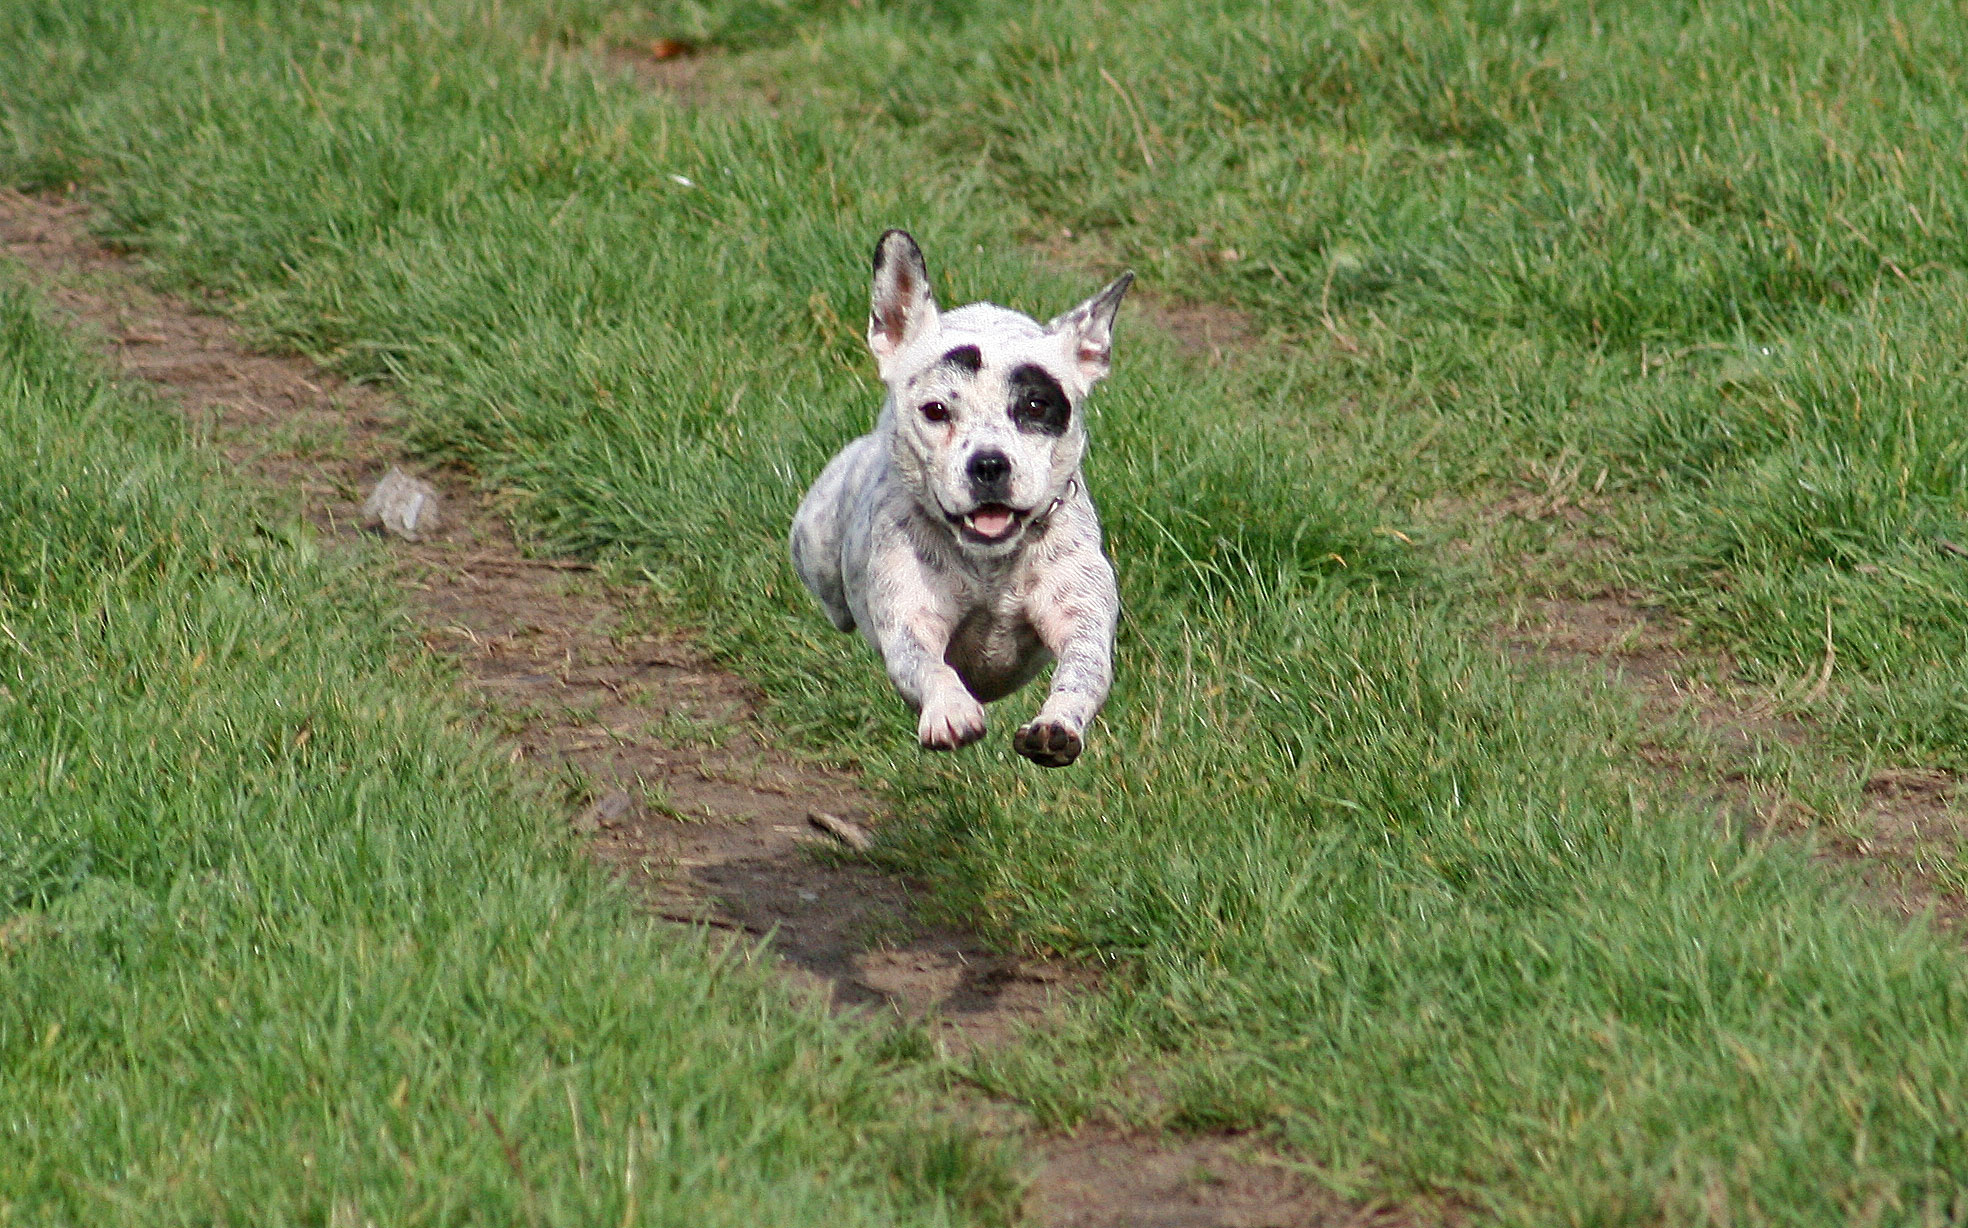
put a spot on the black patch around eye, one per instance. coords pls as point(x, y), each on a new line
point(966, 358)
point(1038, 403)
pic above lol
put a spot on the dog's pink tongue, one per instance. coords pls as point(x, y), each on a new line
point(991, 521)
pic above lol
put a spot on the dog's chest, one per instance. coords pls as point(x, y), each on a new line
point(994, 646)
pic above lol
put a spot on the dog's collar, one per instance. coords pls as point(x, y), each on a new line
point(1072, 487)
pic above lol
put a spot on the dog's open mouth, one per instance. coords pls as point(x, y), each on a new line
point(992, 522)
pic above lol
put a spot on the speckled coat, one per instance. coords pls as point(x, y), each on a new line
point(958, 536)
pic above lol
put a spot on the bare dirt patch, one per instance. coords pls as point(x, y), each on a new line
point(1209, 330)
point(669, 772)
point(1106, 1180)
point(682, 75)
point(1909, 832)
point(688, 74)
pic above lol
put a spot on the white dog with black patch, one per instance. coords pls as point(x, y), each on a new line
point(958, 536)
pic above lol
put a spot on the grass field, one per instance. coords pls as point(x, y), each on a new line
point(1370, 887)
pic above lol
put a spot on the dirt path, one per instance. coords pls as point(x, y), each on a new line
point(674, 780)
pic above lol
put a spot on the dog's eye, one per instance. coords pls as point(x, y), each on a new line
point(936, 411)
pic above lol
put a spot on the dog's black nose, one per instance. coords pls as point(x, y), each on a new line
point(988, 470)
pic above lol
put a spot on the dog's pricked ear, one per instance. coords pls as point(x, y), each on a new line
point(1090, 327)
point(902, 308)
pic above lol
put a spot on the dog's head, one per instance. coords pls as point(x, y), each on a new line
point(984, 404)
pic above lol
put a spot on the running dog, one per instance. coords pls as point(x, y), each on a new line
point(958, 536)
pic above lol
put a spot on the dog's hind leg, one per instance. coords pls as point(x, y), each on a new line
point(819, 531)
point(817, 559)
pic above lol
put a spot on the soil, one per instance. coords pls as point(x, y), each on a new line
point(1207, 330)
point(677, 783)
point(1908, 816)
point(691, 75)
point(1109, 1180)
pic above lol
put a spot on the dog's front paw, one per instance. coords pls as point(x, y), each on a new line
point(950, 723)
point(1048, 743)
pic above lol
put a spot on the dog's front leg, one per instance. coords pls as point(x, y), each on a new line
point(1083, 642)
point(913, 647)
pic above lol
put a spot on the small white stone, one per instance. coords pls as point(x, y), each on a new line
point(401, 504)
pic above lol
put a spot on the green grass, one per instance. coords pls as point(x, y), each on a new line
point(1414, 910)
point(280, 944)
